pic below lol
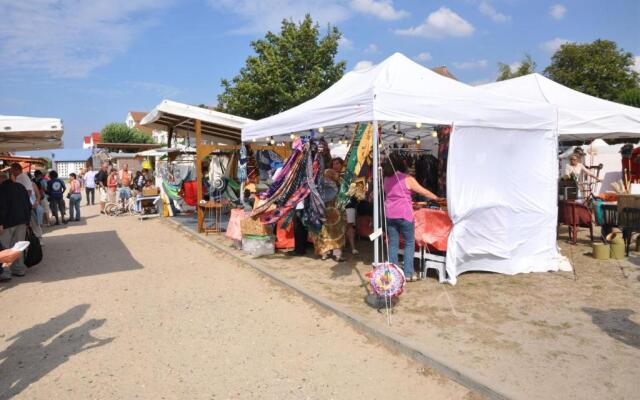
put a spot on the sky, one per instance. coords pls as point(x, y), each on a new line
point(91, 62)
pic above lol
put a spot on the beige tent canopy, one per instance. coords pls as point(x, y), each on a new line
point(28, 133)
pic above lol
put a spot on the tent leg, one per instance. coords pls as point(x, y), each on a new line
point(376, 194)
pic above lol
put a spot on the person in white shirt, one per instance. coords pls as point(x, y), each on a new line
point(575, 169)
point(22, 178)
point(90, 186)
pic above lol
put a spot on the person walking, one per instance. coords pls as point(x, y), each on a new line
point(15, 215)
point(100, 180)
point(55, 191)
point(90, 186)
point(75, 197)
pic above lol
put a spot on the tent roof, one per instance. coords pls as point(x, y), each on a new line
point(400, 90)
point(580, 116)
point(181, 117)
point(28, 133)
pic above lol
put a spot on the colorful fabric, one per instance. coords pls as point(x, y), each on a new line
point(242, 164)
point(331, 236)
point(432, 228)
point(284, 236)
point(172, 190)
point(387, 280)
point(361, 146)
point(444, 134)
point(190, 193)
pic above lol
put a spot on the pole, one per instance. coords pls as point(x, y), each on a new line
point(376, 194)
point(199, 156)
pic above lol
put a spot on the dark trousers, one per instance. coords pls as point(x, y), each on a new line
point(90, 192)
point(299, 235)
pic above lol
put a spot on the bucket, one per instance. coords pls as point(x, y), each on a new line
point(601, 251)
point(617, 245)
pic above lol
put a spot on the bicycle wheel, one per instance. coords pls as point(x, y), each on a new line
point(131, 209)
point(111, 209)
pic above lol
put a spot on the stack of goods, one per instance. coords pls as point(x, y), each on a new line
point(257, 239)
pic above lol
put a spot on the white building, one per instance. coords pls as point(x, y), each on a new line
point(89, 142)
point(66, 161)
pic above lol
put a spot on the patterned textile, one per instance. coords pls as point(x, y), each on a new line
point(331, 236)
point(444, 134)
point(313, 215)
point(242, 164)
point(361, 145)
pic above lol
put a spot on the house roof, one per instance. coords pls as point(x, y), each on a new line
point(95, 136)
point(66, 155)
point(444, 71)
point(137, 117)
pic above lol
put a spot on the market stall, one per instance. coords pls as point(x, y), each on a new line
point(28, 133)
point(503, 212)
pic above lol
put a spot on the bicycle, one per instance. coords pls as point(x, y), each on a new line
point(116, 209)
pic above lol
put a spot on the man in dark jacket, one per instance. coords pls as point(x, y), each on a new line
point(15, 215)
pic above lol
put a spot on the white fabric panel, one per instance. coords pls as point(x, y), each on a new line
point(580, 116)
point(400, 90)
point(502, 193)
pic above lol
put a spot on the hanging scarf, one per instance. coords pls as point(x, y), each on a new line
point(313, 215)
point(361, 145)
point(242, 164)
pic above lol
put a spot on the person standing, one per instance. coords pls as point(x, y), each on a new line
point(75, 197)
point(41, 182)
point(112, 186)
point(55, 191)
point(398, 208)
point(101, 183)
point(15, 215)
point(124, 177)
point(21, 178)
point(90, 186)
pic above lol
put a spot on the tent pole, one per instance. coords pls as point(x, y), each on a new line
point(376, 194)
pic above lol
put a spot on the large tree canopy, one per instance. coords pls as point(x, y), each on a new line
point(600, 68)
point(288, 68)
point(121, 133)
point(525, 67)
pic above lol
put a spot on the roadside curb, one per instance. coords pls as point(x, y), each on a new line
point(403, 345)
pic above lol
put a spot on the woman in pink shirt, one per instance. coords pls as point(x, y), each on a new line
point(75, 197)
point(112, 186)
point(398, 208)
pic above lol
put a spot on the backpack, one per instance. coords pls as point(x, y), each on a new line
point(33, 253)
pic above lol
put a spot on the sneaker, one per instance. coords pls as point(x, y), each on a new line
point(18, 274)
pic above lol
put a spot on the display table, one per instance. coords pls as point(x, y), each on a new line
point(432, 228)
point(147, 201)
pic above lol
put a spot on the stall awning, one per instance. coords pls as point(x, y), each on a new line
point(216, 126)
point(28, 133)
point(580, 116)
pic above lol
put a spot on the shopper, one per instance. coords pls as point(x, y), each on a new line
point(55, 192)
point(90, 186)
point(124, 177)
point(330, 240)
point(15, 215)
point(41, 182)
point(21, 178)
point(101, 183)
point(112, 186)
point(75, 197)
point(398, 208)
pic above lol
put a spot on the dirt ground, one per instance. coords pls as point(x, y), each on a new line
point(123, 309)
point(541, 335)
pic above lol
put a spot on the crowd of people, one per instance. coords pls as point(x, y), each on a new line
point(29, 203)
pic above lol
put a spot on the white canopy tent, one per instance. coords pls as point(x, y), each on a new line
point(580, 116)
point(504, 212)
point(29, 133)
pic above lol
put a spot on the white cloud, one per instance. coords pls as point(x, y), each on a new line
point(372, 49)
point(636, 65)
point(382, 9)
point(364, 64)
point(440, 24)
point(345, 43)
point(551, 46)
point(69, 38)
point(487, 9)
point(423, 57)
point(557, 11)
point(474, 64)
point(264, 15)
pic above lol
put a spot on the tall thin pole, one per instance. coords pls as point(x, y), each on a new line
point(199, 156)
point(376, 194)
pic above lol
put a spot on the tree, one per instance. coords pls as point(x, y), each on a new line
point(599, 69)
point(121, 133)
point(525, 67)
point(630, 97)
point(287, 69)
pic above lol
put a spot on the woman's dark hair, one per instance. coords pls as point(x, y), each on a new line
point(53, 174)
point(394, 163)
point(73, 175)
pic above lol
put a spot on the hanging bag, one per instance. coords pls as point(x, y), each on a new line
point(33, 253)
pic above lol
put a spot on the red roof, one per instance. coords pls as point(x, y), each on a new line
point(137, 117)
point(95, 136)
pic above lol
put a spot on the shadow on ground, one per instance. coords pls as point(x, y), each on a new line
point(79, 255)
point(616, 323)
point(42, 348)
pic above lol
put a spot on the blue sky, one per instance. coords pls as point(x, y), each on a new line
point(90, 62)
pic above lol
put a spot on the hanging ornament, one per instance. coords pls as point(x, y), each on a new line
point(387, 280)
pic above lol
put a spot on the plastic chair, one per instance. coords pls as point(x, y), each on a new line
point(630, 222)
point(576, 216)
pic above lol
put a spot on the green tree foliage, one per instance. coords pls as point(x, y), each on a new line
point(599, 69)
point(526, 66)
point(630, 97)
point(121, 133)
point(287, 69)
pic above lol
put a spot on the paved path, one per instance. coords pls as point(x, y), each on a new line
point(122, 309)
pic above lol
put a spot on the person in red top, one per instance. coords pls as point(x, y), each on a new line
point(112, 186)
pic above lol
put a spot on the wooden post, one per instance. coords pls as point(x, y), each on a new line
point(198, 130)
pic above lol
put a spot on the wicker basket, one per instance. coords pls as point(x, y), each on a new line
point(250, 226)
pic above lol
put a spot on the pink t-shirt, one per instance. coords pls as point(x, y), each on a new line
point(397, 197)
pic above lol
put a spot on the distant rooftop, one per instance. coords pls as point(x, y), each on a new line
point(444, 71)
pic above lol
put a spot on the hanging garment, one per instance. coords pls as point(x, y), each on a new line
point(331, 236)
point(358, 152)
point(444, 134)
point(426, 167)
point(242, 164)
point(314, 209)
point(284, 236)
point(190, 193)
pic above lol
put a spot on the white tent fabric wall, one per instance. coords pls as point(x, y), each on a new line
point(502, 201)
point(580, 116)
point(498, 231)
